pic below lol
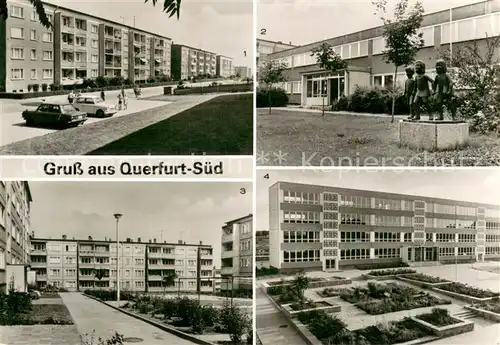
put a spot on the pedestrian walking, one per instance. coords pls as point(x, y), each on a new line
point(120, 101)
point(71, 97)
point(125, 101)
point(103, 96)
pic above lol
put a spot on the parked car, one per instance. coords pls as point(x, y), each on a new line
point(55, 114)
point(94, 105)
point(35, 294)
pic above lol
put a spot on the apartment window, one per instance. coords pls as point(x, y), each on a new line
point(301, 217)
point(354, 236)
point(492, 238)
point(192, 262)
point(54, 260)
point(33, 74)
point(33, 16)
point(93, 73)
point(139, 284)
point(387, 237)
point(16, 33)
point(33, 54)
point(33, 35)
point(492, 250)
point(386, 253)
point(55, 272)
point(301, 236)
point(466, 251)
point(179, 262)
point(244, 262)
point(94, 28)
point(95, 58)
point(355, 219)
point(47, 55)
point(300, 197)
point(139, 273)
point(70, 272)
point(493, 225)
point(95, 43)
point(355, 254)
point(355, 201)
point(466, 238)
point(17, 74)
point(301, 255)
point(47, 74)
point(442, 237)
point(17, 12)
point(407, 237)
point(17, 53)
point(388, 220)
point(47, 37)
point(446, 251)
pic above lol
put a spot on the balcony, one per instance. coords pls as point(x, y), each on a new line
point(155, 255)
point(227, 254)
point(155, 277)
point(41, 277)
point(226, 270)
point(89, 252)
point(38, 252)
point(86, 265)
point(108, 51)
point(101, 253)
point(87, 277)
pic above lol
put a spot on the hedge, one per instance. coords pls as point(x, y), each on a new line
point(278, 98)
point(212, 89)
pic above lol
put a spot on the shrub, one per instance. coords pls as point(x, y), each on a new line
point(44, 87)
point(439, 317)
point(425, 278)
point(391, 272)
point(13, 306)
point(264, 271)
point(36, 87)
point(196, 321)
point(380, 266)
point(29, 87)
point(101, 81)
point(210, 315)
point(276, 96)
point(468, 290)
point(236, 323)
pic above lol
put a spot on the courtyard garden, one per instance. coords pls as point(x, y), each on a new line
point(393, 272)
point(378, 299)
point(464, 289)
point(426, 278)
point(189, 316)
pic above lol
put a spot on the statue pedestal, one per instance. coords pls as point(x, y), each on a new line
point(433, 135)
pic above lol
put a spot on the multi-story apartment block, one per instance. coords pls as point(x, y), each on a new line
point(77, 264)
point(237, 254)
point(78, 46)
point(326, 228)
point(15, 200)
point(262, 249)
point(224, 66)
point(363, 51)
point(188, 62)
point(243, 72)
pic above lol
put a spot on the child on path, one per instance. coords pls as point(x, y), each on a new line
point(120, 100)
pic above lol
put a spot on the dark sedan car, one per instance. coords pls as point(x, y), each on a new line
point(55, 114)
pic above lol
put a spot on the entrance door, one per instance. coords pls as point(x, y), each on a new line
point(337, 86)
point(330, 264)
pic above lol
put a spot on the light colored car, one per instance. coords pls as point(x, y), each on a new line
point(94, 105)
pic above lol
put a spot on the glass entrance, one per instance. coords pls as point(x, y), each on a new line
point(330, 264)
point(337, 86)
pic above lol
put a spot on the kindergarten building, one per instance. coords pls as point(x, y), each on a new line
point(363, 52)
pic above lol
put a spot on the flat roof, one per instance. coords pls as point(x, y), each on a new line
point(388, 195)
point(101, 18)
point(199, 49)
point(238, 219)
point(276, 42)
point(112, 241)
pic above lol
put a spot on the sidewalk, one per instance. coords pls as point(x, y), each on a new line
point(263, 111)
point(90, 315)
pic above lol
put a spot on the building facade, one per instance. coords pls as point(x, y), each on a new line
point(237, 254)
point(78, 46)
point(243, 72)
point(188, 62)
point(327, 228)
point(266, 47)
point(224, 66)
point(74, 264)
point(363, 51)
point(262, 249)
point(15, 201)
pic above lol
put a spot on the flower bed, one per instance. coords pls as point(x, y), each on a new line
point(294, 309)
point(423, 280)
point(365, 267)
point(442, 324)
point(189, 316)
point(331, 292)
point(387, 274)
point(487, 310)
point(109, 295)
point(275, 288)
point(466, 292)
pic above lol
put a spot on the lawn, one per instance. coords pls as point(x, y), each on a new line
point(221, 126)
point(294, 138)
point(50, 314)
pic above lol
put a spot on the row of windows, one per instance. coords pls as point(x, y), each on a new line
point(300, 197)
point(18, 54)
point(19, 33)
point(301, 255)
point(18, 74)
point(354, 236)
point(301, 236)
point(301, 217)
point(385, 253)
point(460, 251)
point(387, 237)
point(492, 250)
point(492, 238)
point(355, 254)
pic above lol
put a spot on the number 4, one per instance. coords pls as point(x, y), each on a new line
point(266, 176)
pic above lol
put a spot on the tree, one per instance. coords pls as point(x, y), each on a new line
point(402, 39)
point(169, 280)
point(99, 273)
point(171, 7)
point(476, 73)
point(301, 283)
point(270, 74)
point(329, 61)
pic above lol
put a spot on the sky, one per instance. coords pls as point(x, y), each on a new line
point(475, 185)
point(191, 211)
point(308, 21)
point(224, 27)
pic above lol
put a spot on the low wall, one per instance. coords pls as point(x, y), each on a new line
point(489, 315)
point(317, 284)
point(465, 298)
point(213, 89)
point(332, 308)
point(422, 284)
point(387, 277)
point(447, 331)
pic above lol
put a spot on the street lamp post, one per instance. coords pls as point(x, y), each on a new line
point(117, 217)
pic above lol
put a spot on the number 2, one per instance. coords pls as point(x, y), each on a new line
point(263, 31)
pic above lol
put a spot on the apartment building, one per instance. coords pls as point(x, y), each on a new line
point(243, 72)
point(262, 249)
point(80, 264)
point(326, 228)
point(78, 46)
point(237, 254)
point(363, 52)
point(15, 201)
point(224, 66)
point(188, 62)
point(266, 47)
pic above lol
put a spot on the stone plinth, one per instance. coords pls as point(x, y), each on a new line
point(433, 135)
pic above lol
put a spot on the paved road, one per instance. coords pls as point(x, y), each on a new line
point(90, 315)
point(272, 327)
point(14, 129)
